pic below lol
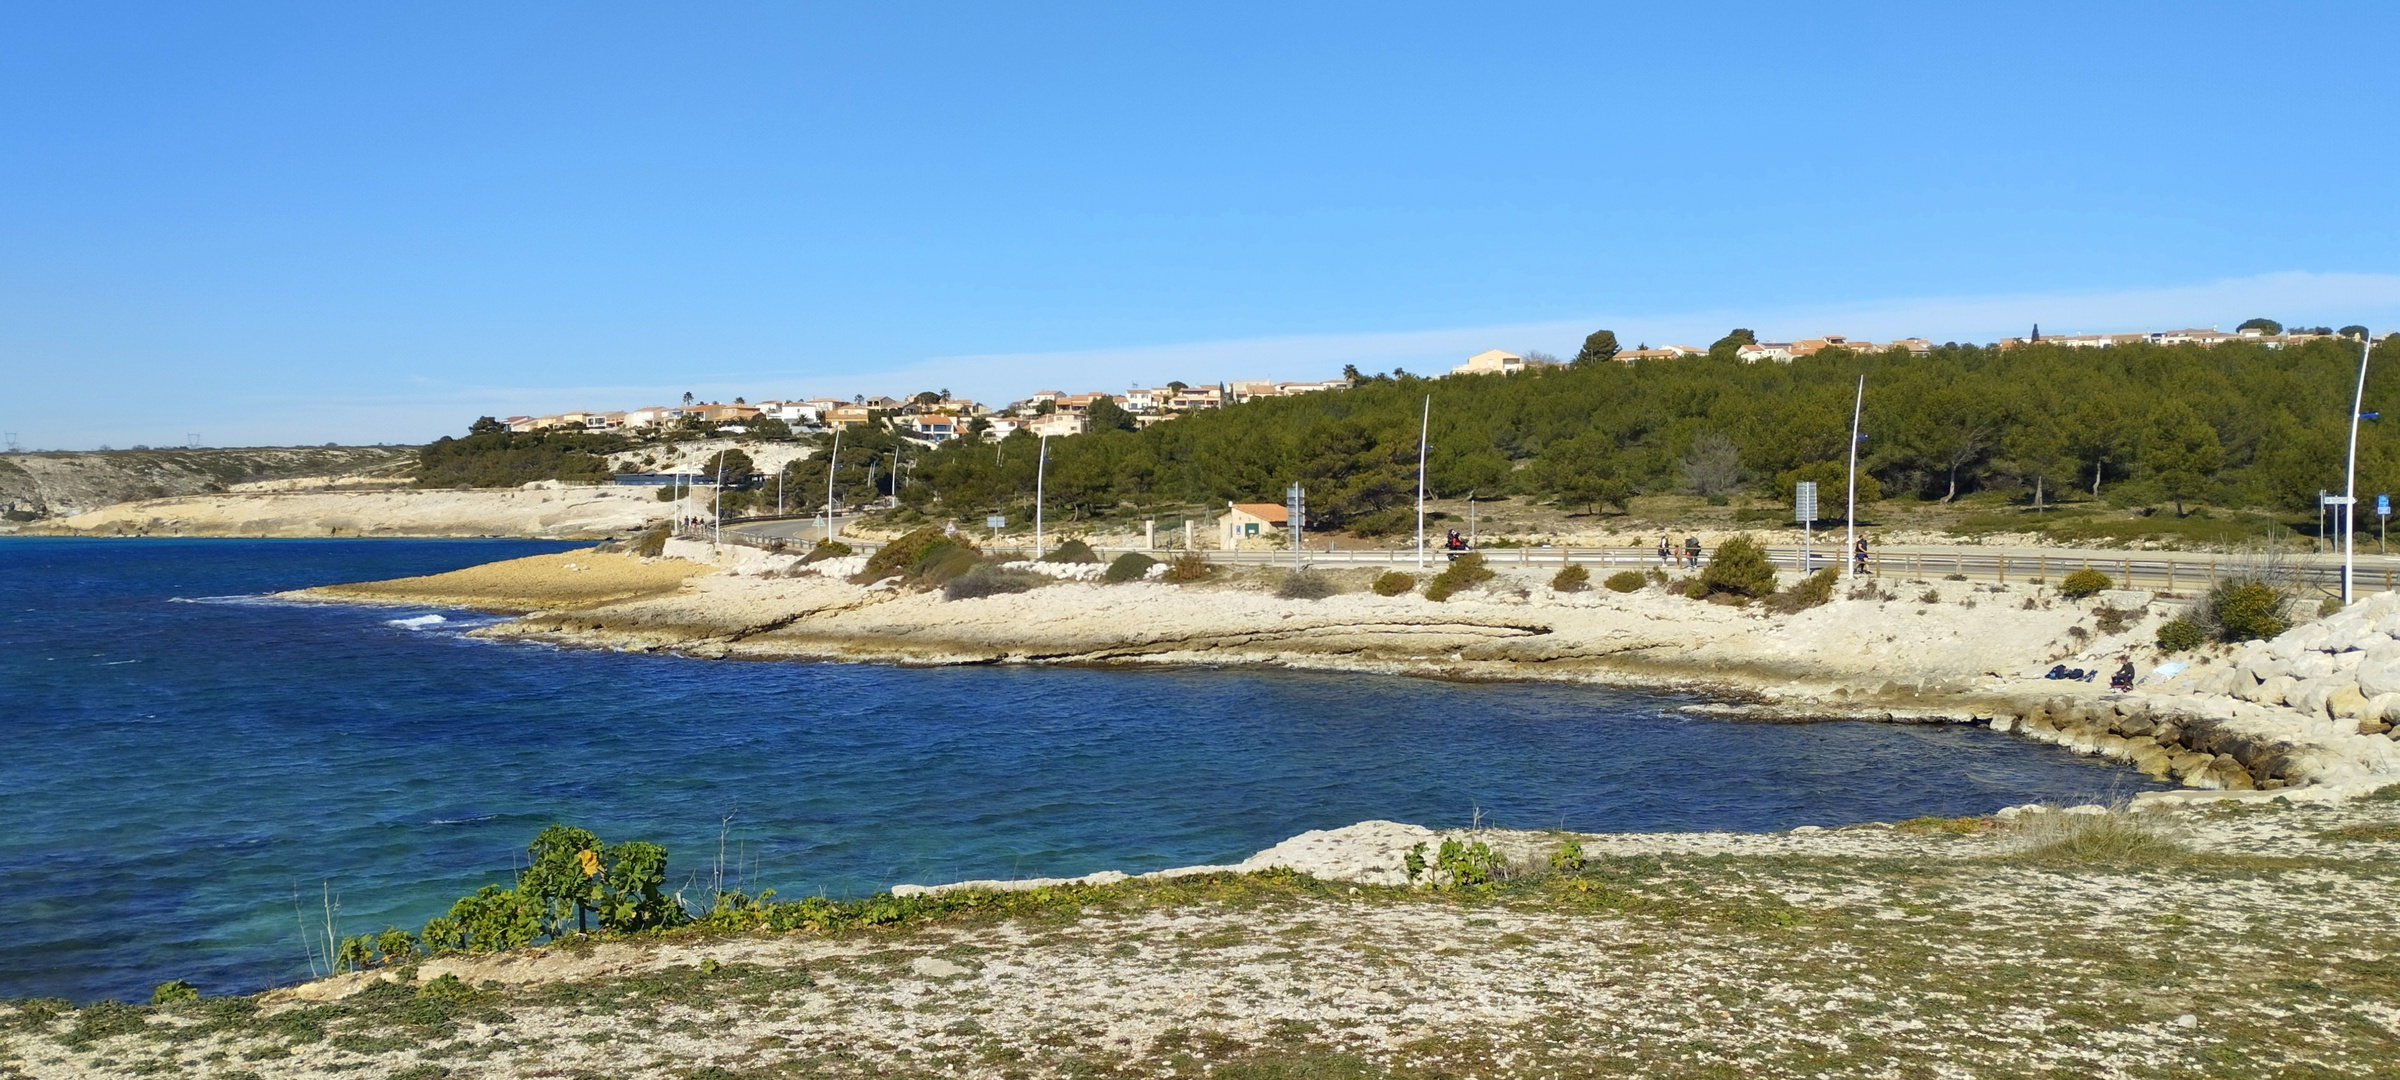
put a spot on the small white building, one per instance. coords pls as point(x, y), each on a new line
point(1249, 521)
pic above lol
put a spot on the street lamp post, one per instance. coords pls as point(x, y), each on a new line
point(1424, 426)
point(2358, 405)
point(832, 462)
point(1041, 465)
point(1858, 409)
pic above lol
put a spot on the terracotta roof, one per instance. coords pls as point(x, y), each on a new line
point(1272, 513)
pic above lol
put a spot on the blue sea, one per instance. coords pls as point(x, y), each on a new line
point(188, 762)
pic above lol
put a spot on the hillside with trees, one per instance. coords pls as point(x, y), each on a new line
point(2238, 425)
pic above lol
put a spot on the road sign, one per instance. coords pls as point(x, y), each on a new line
point(995, 521)
point(1804, 501)
point(2383, 506)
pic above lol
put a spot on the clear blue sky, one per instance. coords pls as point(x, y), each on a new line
point(362, 222)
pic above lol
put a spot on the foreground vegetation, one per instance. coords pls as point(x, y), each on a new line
point(2252, 940)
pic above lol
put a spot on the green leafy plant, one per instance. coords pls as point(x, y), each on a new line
point(492, 919)
point(394, 945)
point(1393, 583)
point(564, 877)
point(895, 558)
point(354, 953)
point(2244, 610)
point(2329, 606)
point(1739, 567)
point(1131, 566)
point(1414, 861)
point(631, 898)
point(2083, 583)
point(1571, 578)
point(173, 991)
point(1625, 581)
point(1568, 858)
point(1466, 865)
point(1464, 572)
point(2179, 634)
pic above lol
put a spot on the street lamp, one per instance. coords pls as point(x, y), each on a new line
point(2358, 405)
point(1858, 409)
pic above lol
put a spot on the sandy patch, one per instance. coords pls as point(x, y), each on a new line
point(563, 582)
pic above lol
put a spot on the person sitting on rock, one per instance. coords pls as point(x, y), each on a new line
point(2123, 679)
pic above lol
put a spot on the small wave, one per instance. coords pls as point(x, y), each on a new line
point(418, 623)
point(114, 663)
point(461, 820)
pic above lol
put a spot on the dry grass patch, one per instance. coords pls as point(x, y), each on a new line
point(2116, 837)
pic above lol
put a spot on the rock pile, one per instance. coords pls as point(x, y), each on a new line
point(2316, 705)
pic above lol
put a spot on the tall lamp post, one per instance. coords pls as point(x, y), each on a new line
point(1858, 409)
point(1424, 426)
point(831, 463)
point(2358, 404)
point(1041, 464)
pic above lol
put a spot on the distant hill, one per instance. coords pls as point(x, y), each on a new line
point(45, 485)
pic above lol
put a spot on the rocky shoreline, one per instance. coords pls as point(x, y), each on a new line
point(2264, 717)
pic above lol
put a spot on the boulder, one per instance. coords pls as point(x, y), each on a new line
point(2346, 702)
point(2189, 764)
point(2151, 761)
point(2132, 726)
point(2167, 734)
point(2230, 774)
point(2265, 667)
point(2389, 626)
point(2384, 707)
point(2273, 691)
point(2378, 677)
point(2315, 665)
point(2113, 747)
point(2311, 696)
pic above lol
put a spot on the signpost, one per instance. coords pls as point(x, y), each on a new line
point(1804, 507)
point(2383, 516)
point(995, 522)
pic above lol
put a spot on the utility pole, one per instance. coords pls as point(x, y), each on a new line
point(1041, 464)
point(1424, 425)
point(1295, 507)
point(1858, 409)
point(2358, 405)
point(717, 510)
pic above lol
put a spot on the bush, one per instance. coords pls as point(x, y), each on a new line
point(825, 549)
point(1394, 583)
point(1131, 566)
point(2176, 635)
point(1189, 567)
point(942, 562)
point(896, 557)
point(2331, 605)
point(652, 542)
point(1740, 567)
point(1572, 578)
point(988, 580)
point(2243, 610)
point(1626, 581)
point(168, 993)
point(2112, 620)
point(1302, 585)
point(669, 494)
point(1073, 551)
point(1806, 593)
point(1465, 572)
point(2083, 583)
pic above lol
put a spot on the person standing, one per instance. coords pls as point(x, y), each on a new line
point(1858, 556)
point(1691, 551)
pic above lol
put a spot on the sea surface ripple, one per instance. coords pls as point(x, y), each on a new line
point(193, 770)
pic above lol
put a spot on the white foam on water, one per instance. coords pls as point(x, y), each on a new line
point(418, 623)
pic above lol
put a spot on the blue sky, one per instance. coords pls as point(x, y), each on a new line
point(314, 222)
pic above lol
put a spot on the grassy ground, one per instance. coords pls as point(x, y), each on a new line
point(2243, 941)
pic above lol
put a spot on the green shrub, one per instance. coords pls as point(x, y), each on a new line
point(988, 580)
point(1626, 581)
point(1571, 578)
point(1464, 572)
point(1189, 567)
point(2244, 610)
point(1131, 566)
point(168, 993)
point(1739, 567)
point(2083, 583)
point(1568, 858)
point(825, 549)
point(1467, 865)
point(1303, 585)
point(896, 557)
point(941, 562)
point(669, 493)
point(498, 457)
point(652, 542)
point(1073, 551)
point(2176, 635)
point(2330, 605)
point(1806, 593)
point(1394, 583)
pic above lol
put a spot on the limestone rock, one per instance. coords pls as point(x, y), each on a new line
point(2379, 677)
point(2315, 665)
point(2124, 599)
point(2267, 667)
point(2346, 702)
point(2273, 691)
point(2151, 761)
point(2384, 707)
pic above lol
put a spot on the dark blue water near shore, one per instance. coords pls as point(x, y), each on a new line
point(182, 759)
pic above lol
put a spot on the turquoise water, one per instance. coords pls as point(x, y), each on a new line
point(186, 759)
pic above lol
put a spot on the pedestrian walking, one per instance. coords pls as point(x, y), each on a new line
point(1858, 556)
